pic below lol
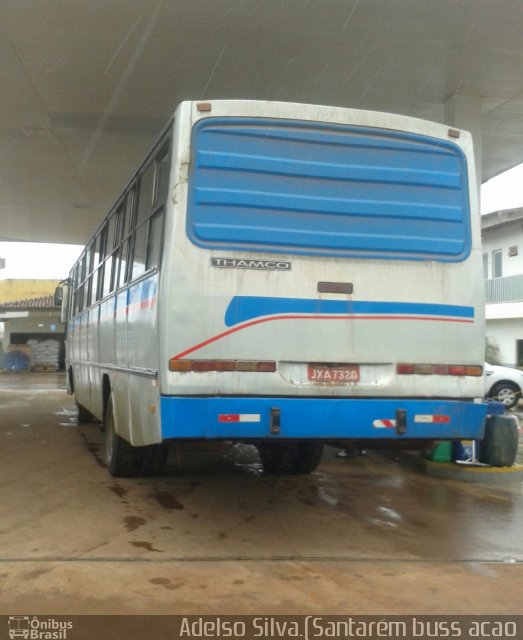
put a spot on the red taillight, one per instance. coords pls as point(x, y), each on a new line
point(439, 369)
point(222, 365)
point(202, 365)
point(405, 368)
point(210, 365)
point(457, 369)
point(266, 365)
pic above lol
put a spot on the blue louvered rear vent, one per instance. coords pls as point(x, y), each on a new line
point(299, 187)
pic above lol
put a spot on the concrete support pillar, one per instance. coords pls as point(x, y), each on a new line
point(464, 112)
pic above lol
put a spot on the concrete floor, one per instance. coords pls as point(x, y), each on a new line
point(364, 535)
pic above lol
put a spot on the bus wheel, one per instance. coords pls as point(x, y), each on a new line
point(307, 457)
point(153, 459)
point(277, 458)
point(120, 456)
point(500, 442)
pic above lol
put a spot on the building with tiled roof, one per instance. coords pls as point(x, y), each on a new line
point(42, 302)
point(29, 318)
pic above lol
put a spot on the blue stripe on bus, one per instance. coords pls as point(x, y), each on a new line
point(243, 308)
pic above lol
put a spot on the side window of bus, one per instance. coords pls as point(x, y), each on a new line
point(129, 213)
point(82, 274)
point(154, 244)
point(155, 240)
point(97, 268)
point(98, 254)
point(107, 271)
point(110, 234)
point(94, 286)
point(79, 298)
point(151, 196)
point(140, 248)
point(81, 278)
point(145, 204)
point(101, 243)
point(124, 260)
point(119, 220)
point(88, 271)
point(163, 166)
point(145, 195)
point(75, 290)
point(89, 299)
point(126, 223)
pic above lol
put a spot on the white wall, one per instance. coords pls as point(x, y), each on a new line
point(502, 238)
point(506, 333)
point(505, 320)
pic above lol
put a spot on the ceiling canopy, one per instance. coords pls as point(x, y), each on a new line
point(88, 84)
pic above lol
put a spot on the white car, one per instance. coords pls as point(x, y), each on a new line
point(503, 384)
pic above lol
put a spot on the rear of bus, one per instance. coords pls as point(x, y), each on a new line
point(323, 280)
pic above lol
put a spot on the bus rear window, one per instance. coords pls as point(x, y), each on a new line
point(299, 187)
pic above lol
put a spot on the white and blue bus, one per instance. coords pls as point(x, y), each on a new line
point(286, 275)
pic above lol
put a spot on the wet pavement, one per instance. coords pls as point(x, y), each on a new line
point(214, 535)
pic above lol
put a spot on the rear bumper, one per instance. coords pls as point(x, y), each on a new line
point(238, 418)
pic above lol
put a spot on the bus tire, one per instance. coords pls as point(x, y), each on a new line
point(121, 457)
point(153, 459)
point(83, 414)
point(278, 458)
point(307, 457)
point(500, 442)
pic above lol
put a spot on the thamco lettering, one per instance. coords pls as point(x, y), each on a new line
point(237, 263)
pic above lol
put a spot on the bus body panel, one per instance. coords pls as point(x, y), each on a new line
point(254, 295)
point(359, 331)
point(142, 326)
point(121, 348)
point(107, 331)
point(144, 410)
point(400, 310)
point(320, 418)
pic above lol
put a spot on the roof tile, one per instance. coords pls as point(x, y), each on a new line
point(42, 302)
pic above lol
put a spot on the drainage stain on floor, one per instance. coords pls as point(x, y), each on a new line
point(95, 449)
point(121, 492)
point(167, 500)
point(133, 522)
point(165, 582)
point(141, 544)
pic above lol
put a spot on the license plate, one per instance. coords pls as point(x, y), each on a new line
point(337, 373)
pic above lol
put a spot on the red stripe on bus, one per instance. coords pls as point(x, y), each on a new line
point(301, 317)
